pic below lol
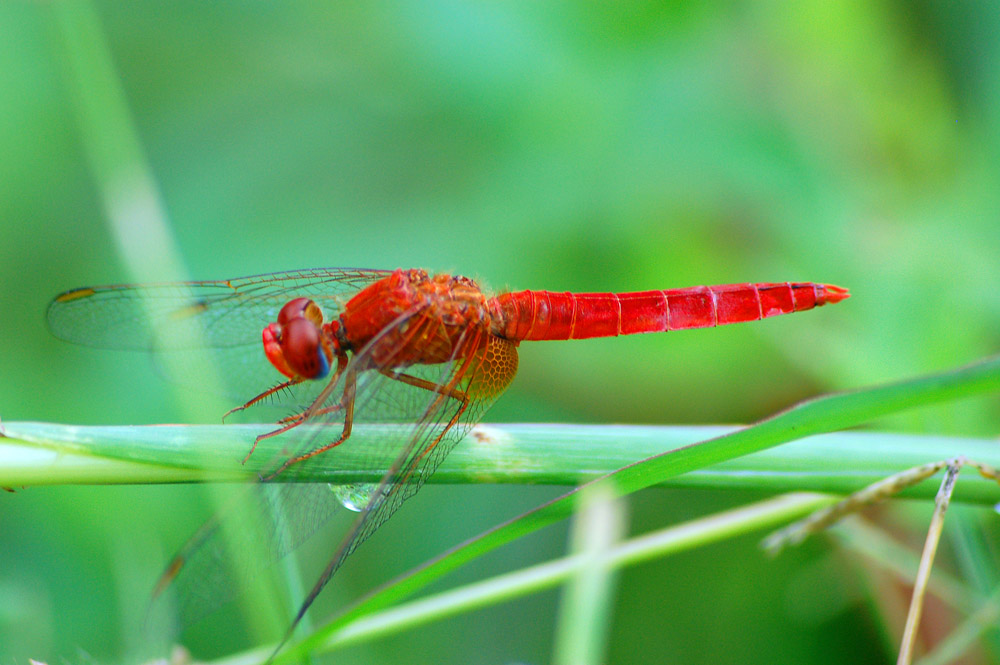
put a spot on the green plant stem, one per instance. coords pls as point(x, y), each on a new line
point(45, 453)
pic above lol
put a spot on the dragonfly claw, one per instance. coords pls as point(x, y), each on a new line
point(252, 448)
point(231, 411)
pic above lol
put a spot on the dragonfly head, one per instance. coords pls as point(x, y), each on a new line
point(296, 345)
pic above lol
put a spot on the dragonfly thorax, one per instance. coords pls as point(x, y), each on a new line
point(412, 317)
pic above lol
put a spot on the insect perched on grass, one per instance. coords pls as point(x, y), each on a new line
point(420, 356)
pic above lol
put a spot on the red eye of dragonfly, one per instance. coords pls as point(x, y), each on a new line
point(300, 308)
point(294, 344)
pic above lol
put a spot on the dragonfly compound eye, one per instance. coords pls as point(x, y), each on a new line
point(302, 349)
point(300, 308)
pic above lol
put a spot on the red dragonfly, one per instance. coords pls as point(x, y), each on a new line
point(417, 357)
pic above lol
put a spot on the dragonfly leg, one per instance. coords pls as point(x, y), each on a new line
point(426, 385)
point(443, 391)
point(267, 393)
point(294, 421)
point(464, 399)
point(299, 417)
point(346, 403)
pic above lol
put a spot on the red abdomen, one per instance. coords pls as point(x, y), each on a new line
point(541, 315)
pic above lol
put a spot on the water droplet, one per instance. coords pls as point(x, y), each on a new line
point(354, 497)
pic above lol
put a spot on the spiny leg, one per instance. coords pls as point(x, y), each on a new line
point(314, 408)
point(376, 511)
point(417, 382)
point(299, 417)
point(348, 405)
point(444, 391)
point(487, 363)
point(346, 402)
point(263, 395)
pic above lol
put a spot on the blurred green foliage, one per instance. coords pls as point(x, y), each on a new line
point(563, 146)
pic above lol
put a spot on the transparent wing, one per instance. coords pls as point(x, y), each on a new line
point(223, 317)
point(406, 421)
point(177, 315)
point(233, 549)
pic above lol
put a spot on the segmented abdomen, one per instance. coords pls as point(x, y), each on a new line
point(544, 315)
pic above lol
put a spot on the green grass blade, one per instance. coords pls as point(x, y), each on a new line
point(584, 619)
point(678, 538)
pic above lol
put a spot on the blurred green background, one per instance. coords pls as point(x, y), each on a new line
point(562, 146)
